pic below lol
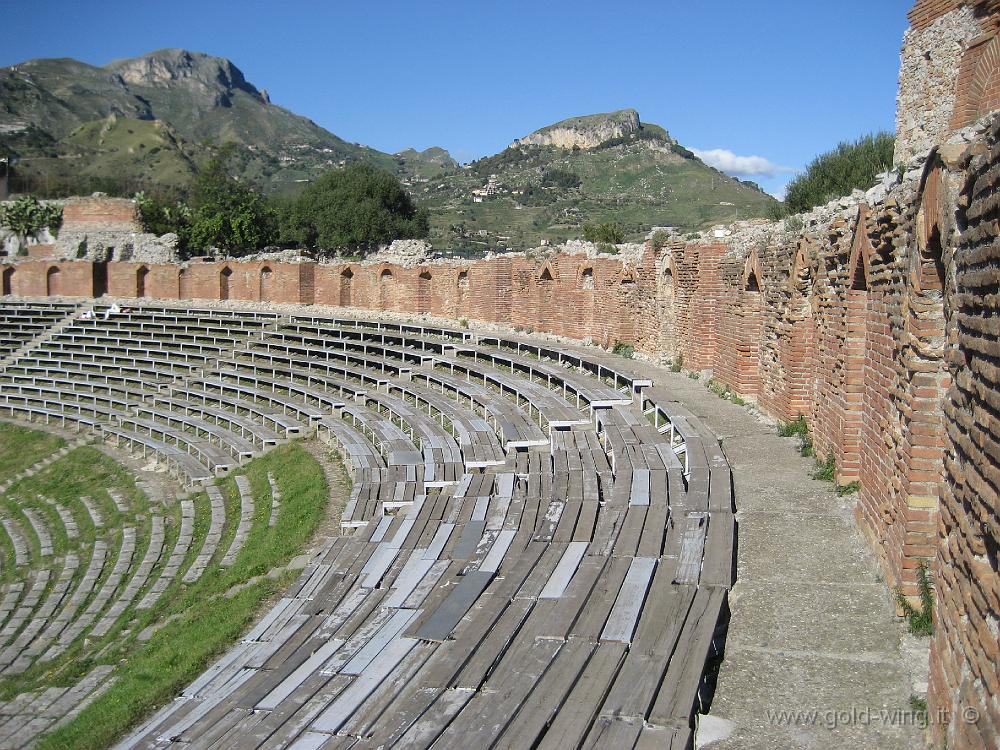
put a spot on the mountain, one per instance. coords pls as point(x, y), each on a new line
point(420, 165)
point(148, 122)
point(55, 115)
point(594, 168)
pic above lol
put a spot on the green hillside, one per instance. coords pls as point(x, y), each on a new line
point(547, 192)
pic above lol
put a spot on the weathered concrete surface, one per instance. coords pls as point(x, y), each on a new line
point(813, 627)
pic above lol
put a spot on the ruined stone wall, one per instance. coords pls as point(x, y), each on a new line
point(965, 680)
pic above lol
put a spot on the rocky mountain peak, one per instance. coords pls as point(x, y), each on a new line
point(170, 67)
point(588, 131)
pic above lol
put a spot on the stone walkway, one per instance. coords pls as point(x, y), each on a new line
point(812, 622)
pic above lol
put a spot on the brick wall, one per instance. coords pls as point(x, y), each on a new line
point(965, 653)
point(81, 214)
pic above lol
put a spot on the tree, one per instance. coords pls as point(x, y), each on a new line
point(160, 215)
point(836, 173)
point(357, 207)
point(227, 214)
point(608, 232)
point(26, 217)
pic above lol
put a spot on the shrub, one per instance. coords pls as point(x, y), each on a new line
point(358, 207)
point(659, 239)
point(26, 216)
point(610, 232)
point(836, 173)
point(678, 364)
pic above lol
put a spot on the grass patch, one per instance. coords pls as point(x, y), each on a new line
point(207, 621)
point(21, 447)
point(919, 707)
point(624, 350)
point(919, 619)
point(725, 392)
point(848, 489)
point(800, 429)
point(827, 471)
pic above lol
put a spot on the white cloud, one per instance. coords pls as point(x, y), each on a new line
point(744, 166)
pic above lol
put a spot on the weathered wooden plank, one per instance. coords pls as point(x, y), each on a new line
point(443, 620)
point(628, 605)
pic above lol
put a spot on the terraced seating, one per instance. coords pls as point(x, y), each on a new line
point(541, 540)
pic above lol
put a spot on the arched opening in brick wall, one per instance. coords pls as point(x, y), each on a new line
point(346, 296)
point(140, 281)
point(667, 315)
point(265, 291)
point(463, 292)
point(183, 284)
point(853, 380)
point(587, 278)
point(752, 284)
point(386, 289)
point(99, 278)
point(8, 281)
point(224, 277)
point(423, 292)
point(927, 383)
point(798, 354)
point(545, 309)
point(52, 285)
point(978, 86)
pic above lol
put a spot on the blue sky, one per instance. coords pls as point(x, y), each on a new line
point(782, 80)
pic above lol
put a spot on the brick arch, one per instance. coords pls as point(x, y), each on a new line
point(753, 276)
point(386, 288)
point(141, 274)
point(346, 292)
point(547, 273)
point(265, 282)
point(8, 281)
point(183, 284)
point(797, 346)
point(586, 278)
point(978, 87)
point(53, 287)
point(424, 303)
point(859, 266)
point(224, 276)
point(462, 285)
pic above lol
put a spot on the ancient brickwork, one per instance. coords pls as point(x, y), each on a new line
point(965, 653)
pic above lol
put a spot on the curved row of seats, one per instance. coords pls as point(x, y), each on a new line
point(542, 540)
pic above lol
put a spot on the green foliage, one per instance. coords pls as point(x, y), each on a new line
point(624, 350)
point(561, 178)
point(678, 364)
point(800, 429)
point(836, 173)
point(681, 151)
point(228, 214)
point(610, 232)
point(918, 705)
point(659, 239)
point(921, 621)
point(827, 471)
point(724, 391)
point(358, 207)
point(26, 216)
point(848, 489)
point(463, 322)
point(160, 215)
